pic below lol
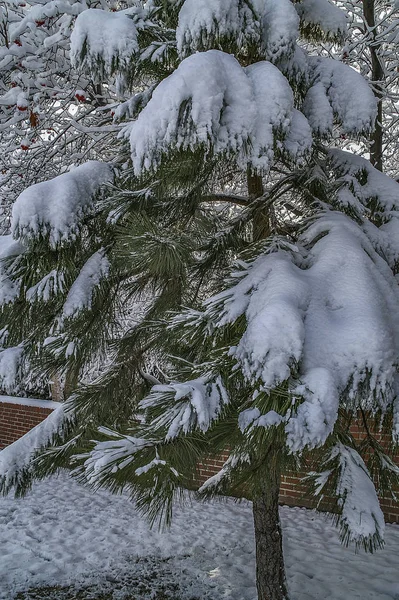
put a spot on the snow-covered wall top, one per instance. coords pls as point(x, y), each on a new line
point(30, 402)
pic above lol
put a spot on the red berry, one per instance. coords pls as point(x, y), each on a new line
point(18, 42)
point(39, 23)
point(22, 108)
point(24, 147)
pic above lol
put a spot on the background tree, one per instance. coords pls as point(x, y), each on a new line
point(282, 249)
point(51, 115)
point(372, 49)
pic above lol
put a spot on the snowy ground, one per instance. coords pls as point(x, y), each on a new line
point(62, 534)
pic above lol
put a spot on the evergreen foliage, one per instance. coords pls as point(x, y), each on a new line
point(232, 284)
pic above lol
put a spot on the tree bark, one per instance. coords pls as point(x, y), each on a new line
point(270, 571)
point(377, 76)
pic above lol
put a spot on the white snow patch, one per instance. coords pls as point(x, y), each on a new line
point(62, 533)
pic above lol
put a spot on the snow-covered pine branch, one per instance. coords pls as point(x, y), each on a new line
point(306, 315)
point(360, 515)
point(103, 42)
point(55, 208)
point(81, 291)
point(338, 93)
point(112, 455)
point(322, 19)
point(247, 109)
point(183, 407)
point(9, 248)
point(17, 459)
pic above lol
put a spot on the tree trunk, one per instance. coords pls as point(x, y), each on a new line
point(261, 221)
point(377, 76)
point(270, 572)
point(71, 382)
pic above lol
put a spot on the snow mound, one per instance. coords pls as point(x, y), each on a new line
point(298, 141)
point(103, 41)
point(315, 417)
point(271, 26)
point(211, 102)
point(273, 295)
point(274, 102)
point(54, 208)
point(10, 364)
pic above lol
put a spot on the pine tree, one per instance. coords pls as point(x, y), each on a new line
point(233, 285)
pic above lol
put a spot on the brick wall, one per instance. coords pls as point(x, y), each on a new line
point(19, 415)
point(295, 492)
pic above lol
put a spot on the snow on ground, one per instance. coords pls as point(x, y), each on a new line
point(63, 533)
